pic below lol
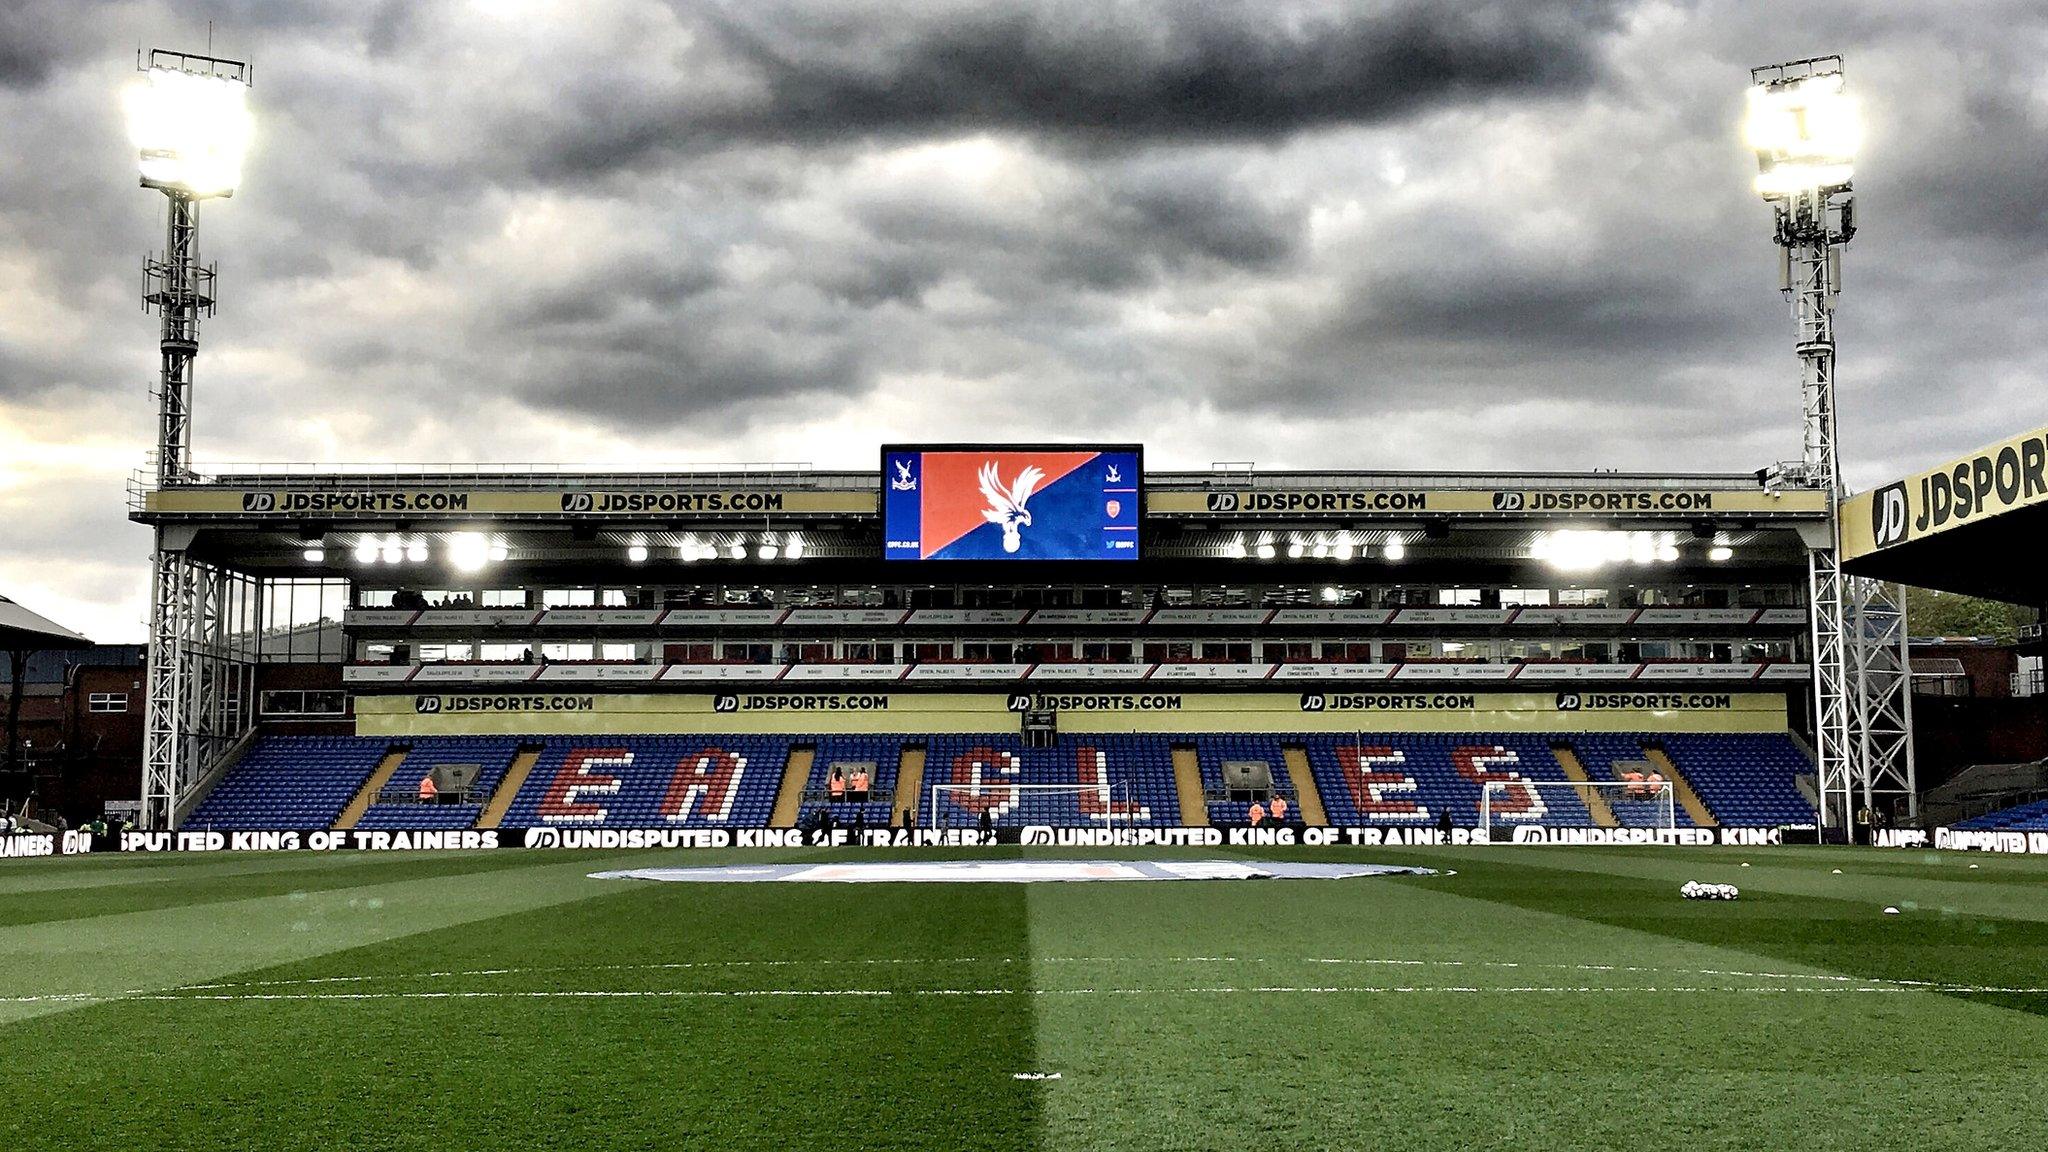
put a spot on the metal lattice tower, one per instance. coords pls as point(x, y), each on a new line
point(200, 674)
point(1862, 683)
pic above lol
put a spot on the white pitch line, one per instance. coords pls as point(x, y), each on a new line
point(883, 993)
point(826, 963)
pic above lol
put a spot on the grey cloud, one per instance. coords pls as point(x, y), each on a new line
point(1092, 71)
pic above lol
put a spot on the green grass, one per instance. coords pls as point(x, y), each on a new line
point(1539, 998)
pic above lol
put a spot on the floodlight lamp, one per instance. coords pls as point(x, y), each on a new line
point(315, 555)
point(1396, 550)
point(767, 551)
point(1806, 133)
point(795, 549)
point(1267, 552)
point(416, 551)
point(737, 551)
point(1294, 550)
point(637, 553)
point(469, 551)
point(191, 130)
point(366, 550)
point(1720, 553)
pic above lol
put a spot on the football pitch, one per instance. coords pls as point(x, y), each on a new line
point(1543, 998)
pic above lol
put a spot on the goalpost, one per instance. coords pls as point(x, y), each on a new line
point(1572, 803)
point(1102, 805)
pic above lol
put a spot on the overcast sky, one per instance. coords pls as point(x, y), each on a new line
point(1392, 234)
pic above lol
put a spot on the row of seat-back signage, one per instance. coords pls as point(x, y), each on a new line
point(1197, 672)
point(688, 618)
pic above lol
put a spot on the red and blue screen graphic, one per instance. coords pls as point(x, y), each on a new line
point(1010, 503)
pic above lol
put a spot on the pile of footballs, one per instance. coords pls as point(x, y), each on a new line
point(1694, 890)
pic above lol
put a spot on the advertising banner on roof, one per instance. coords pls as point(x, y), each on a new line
point(1545, 502)
point(325, 503)
point(1994, 479)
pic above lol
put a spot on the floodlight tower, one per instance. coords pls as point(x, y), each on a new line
point(188, 117)
point(1806, 130)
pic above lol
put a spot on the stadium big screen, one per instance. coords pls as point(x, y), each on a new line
point(1011, 502)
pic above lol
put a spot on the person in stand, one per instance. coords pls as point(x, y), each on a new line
point(988, 827)
point(430, 793)
point(1443, 824)
point(860, 824)
point(860, 785)
point(1279, 807)
point(836, 785)
point(1257, 815)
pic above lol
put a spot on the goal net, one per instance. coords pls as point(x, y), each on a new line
point(1576, 804)
point(1007, 804)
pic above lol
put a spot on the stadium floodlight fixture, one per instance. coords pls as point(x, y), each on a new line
point(737, 551)
point(1395, 549)
point(1235, 550)
point(366, 550)
point(637, 553)
point(1343, 550)
point(1720, 553)
point(795, 548)
point(315, 555)
point(393, 550)
point(1806, 131)
point(188, 117)
point(767, 550)
point(469, 551)
point(500, 551)
point(1267, 551)
point(1295, 550)
point(416, 551)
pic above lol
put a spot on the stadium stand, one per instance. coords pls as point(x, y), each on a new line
point(884, 752)
point(491, 755)
point(303, 782)
point(1138, 769)
point(290, 782)
point(1215, 751)
point(2032, 817)
point(653, 782)
point(1412, 778)
point(1746, 779)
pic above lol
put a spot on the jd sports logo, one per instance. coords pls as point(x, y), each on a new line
point(576, 502)
point(1568, 702)
point(426, 705)
point(1222, 501)
point(259, 501)
point(725, 703)
point(1888, 515)
point(1509, 501)
point(1020, 702)
point(1313, 702)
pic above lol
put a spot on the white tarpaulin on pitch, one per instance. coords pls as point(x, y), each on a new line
point(1009, 872)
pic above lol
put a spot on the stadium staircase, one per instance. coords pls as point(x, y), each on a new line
point(910, 779)
point(367, 794)
point(1596, 804)
point(796, 776)
point(1307, 800)
point(1681, 788)
point(515, 779)
point(1187, 782)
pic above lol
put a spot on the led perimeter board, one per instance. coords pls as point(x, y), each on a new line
point(1011, 502)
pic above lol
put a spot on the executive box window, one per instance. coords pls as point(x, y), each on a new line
point(107, 702)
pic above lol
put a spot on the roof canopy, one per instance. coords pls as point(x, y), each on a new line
point(1973, 525)
point(23, 630)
